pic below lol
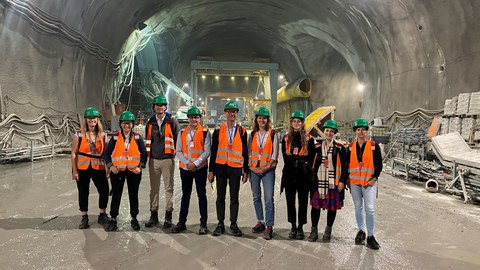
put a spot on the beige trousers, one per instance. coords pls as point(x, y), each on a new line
point(157, 169)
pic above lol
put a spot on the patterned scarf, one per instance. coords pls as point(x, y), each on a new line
point(326, 171)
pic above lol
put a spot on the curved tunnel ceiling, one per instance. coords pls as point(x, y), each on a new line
point(399, 49)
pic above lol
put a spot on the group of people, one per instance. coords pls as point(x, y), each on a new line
point(315, 171)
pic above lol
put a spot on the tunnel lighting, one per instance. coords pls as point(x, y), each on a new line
point(211, 98)
point(185, 85)
point(281, 77)
point(232, 78)
point(203, 102)
point(200, 99)
point(246, 78)
point(203, 76)
point(360, 87)
point(261, 93)
point(236, 99)
point(217, 77)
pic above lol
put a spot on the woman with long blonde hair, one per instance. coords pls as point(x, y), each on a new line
point(88, 145)
point(296, 173)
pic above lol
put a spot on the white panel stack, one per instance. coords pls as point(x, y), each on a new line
point(455, 125)
point(467, 124)
point(444, 126)
point(474, 108)
point(463, 103)
point(450, 106)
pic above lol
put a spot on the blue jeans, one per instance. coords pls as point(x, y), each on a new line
point(364, 196)
point(268, 180)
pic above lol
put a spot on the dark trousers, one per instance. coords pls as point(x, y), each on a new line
point(99, 178)
point(233, 176)
point(293, 188)
point(133, 183)
point(200, 177)
point(315, 216)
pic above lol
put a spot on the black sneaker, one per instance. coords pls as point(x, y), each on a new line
point(84, 223)
point(300, 234)
point(219, 230)
point(293, 234)
point(203, 228)
point(135, 225)
point(180, 227)
point(372, 243)
point(103, 219)
point(112, 226)
point(360, 238)
point(235, 230)
point(259, 227)
point(153, 221)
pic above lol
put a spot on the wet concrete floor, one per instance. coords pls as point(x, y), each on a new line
point(39, 230)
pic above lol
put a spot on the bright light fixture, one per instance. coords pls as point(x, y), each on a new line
point(360, 87)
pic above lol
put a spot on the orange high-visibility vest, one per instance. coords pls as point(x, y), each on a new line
point(87, 157)
point(169, 141)
point(338, 165)
point(129, 160)
point(262, 158)
point(197, 149)
point(232, 157)
point(288, 145)
point(361, 173)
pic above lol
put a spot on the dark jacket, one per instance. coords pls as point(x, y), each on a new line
point(296, 168)
point(314, 148)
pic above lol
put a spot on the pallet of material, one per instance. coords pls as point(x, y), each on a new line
point(474, 106)
point(450, 106)
point(455, 125)
point(452, 147)
point(467, 124)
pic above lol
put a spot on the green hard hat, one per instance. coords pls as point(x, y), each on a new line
point(231, 104)
point(330, 123)
point(360, 122)
point(194, 111)
point(160, 100)
point(298, 114)
point(91, 112)
point(127, 116)
point(262, 111)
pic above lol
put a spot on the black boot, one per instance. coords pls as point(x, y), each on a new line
point(84, 223)
point(180, 227)
point(203, 228)
point(313, 235)
point(327, 235)
point(135, 225)
point(168, 220)
point(235, 230)
point(219, 230)
point(300, 233)
point(153, 221)
point(112, 225)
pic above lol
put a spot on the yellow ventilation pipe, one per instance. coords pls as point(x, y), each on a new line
point(299, 88)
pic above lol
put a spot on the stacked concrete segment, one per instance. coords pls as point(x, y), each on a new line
point(474, 106)
point(463, 103)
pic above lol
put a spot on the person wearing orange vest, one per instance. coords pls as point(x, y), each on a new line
point(88, 145)
point(365, 165)
point(296, 173)
point(263, 156)
point(125, 157)
point(193, 150)
point(328, 160)
point(161, 133)
point(229, 162)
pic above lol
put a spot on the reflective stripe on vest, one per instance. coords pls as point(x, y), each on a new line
point(121, 161)
point(266, 156)
point(193, 153)
point(169, 141)
point(232, 157)
point(83, 161)
point(360, 175)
